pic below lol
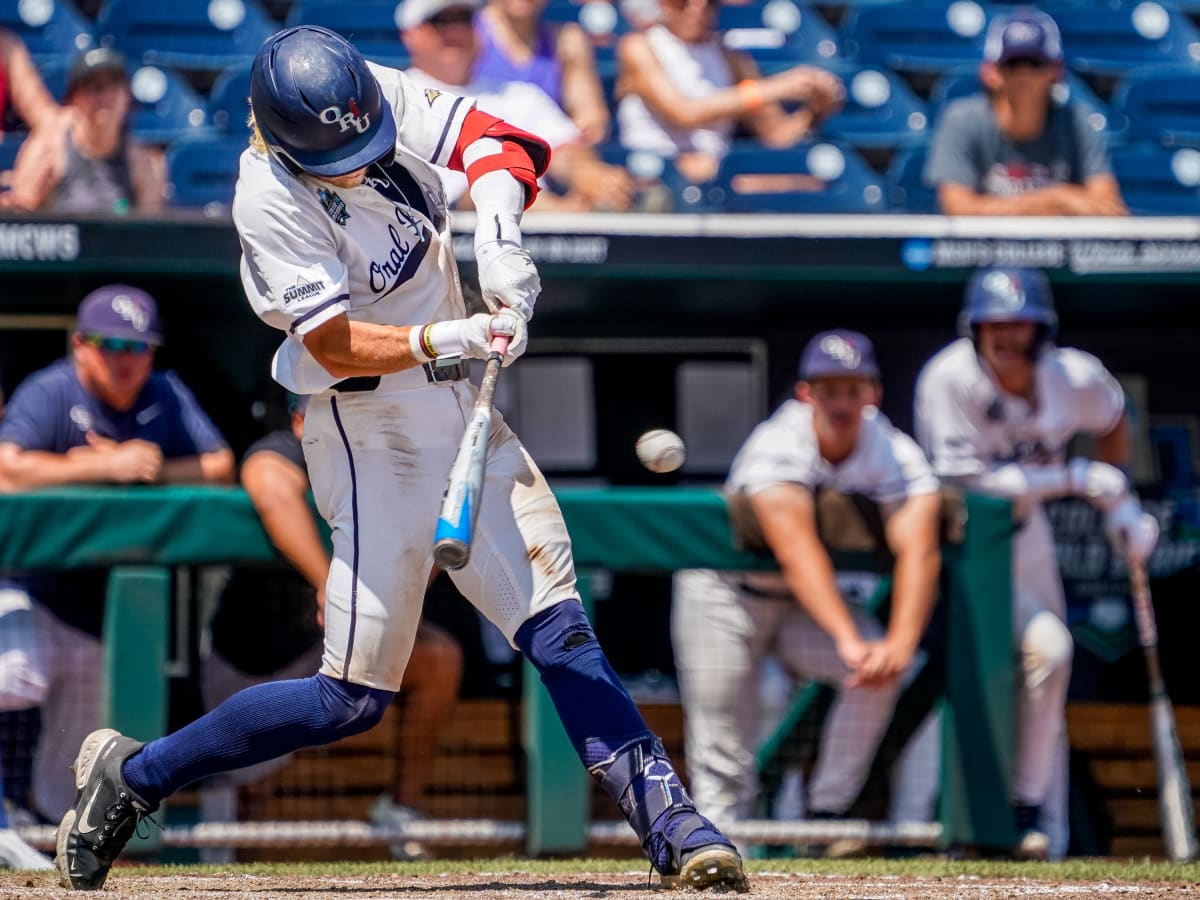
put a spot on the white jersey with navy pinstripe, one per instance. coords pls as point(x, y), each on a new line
point(379, 252)
point(968, 425)
point(886, 465)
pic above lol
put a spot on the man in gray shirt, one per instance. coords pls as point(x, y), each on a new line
point(1013, 151)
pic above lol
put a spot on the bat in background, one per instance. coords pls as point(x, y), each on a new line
point(1174, 792)
point(464, 485)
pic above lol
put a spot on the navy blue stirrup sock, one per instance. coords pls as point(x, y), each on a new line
point(252, 726)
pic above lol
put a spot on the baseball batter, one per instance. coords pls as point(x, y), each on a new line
point(994, 411)
point(725, 624)
point(346, 250)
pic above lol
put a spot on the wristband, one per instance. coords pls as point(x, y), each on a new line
point(420, 344)
point(750, 90)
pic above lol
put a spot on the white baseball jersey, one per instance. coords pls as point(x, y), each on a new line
point(886, 464)
point(518, 103)
point(968, 425)
point(379, 252)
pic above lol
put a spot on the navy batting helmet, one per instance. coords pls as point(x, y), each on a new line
point(1009, 295)
point(317, 104)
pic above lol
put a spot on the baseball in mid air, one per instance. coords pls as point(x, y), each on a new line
point(661, 450)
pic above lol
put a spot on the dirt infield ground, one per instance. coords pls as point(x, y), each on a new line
point(182, 884)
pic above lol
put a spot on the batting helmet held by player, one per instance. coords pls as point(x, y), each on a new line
point(1009, 295)
point(317, 104)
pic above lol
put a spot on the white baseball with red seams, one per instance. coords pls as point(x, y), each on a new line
point(661, 450)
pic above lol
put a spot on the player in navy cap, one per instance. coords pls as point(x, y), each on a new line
point(1025, 147)
point(830, 435)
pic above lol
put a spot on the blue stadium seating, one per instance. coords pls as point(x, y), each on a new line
point(372, 26)
point(202, 172)
point(600, 21)
point(9, 145)
point(881, 110)
point(964, 80)
point(229, 99)
point(819, 177)
point(51, 29)
point(1109, 39)
point(184, 34)
point(907, 190)
point(1158, 180)
point(1160, 104)
point(778, 30)
point(922, 36)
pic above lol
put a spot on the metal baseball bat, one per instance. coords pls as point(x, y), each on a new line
point(1174, 792)
point(464, 485)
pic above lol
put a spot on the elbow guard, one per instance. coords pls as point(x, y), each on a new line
point(524, 156)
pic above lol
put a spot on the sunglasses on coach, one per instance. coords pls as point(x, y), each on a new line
point(117, 345)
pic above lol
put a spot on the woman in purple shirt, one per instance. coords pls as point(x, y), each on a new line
point(516, 45)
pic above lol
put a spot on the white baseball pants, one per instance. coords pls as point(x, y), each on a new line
point(721, 635)
point(378, 463)
point(48, 664)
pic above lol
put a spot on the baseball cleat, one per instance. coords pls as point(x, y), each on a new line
point(709, 866)
point(105, 815)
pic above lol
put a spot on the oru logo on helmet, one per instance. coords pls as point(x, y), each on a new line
point(1004, 291)
point(842, 350)
point(332, 115)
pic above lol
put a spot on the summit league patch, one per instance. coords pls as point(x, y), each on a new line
point(334, 206)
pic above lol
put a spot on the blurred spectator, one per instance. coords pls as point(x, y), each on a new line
point(444, 47)
point(83, 159)
point(1014, 151)
point(23, 94)
point(516, 45)
point(269, 626)
point(725, 625)
point(682, 94)
point(101, 415)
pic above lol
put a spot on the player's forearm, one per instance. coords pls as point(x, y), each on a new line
point(22, 470)
point(346, 349)
point(206, 468)
point(1015, 482)
point(289, 524)
point(809, 575)
point(914, 591)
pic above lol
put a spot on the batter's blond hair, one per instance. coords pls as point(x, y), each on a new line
point(257, 142)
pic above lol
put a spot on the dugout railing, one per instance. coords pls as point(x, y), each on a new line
point(143, 532)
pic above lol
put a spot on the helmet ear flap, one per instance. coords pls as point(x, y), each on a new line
point(965, 328)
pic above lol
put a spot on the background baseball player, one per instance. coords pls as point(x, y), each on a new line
point(995, 411)
point(346, 249)
point(725, 624)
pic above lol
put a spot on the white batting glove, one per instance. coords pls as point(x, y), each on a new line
point(507, 277)
point(510, 322)
point(1133, 531)
point(1102, 484)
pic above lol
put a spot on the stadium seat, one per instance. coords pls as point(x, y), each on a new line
point(1159, 104)
point(202, 172)
point(205, 35)
point(907, 190)
point(778, 30)
point(229, 99)
point(881, 110)
point(1159, 181)
point(371, 24)
point(923, 36)
point(600, 21)
point(819, 177)
point(51, 29)
point(1109, 39)
point(9, 145)
point(658, 186)
point(164, 105)
point(964, 80)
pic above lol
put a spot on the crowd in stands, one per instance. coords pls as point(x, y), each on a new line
point(684, 105)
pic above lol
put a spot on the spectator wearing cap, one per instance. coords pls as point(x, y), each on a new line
point(516, 44)
point(101, 415)
point(444, 47)
point(808, 619)
point(682, 94)
point(1014, 150)
point(84, 160)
